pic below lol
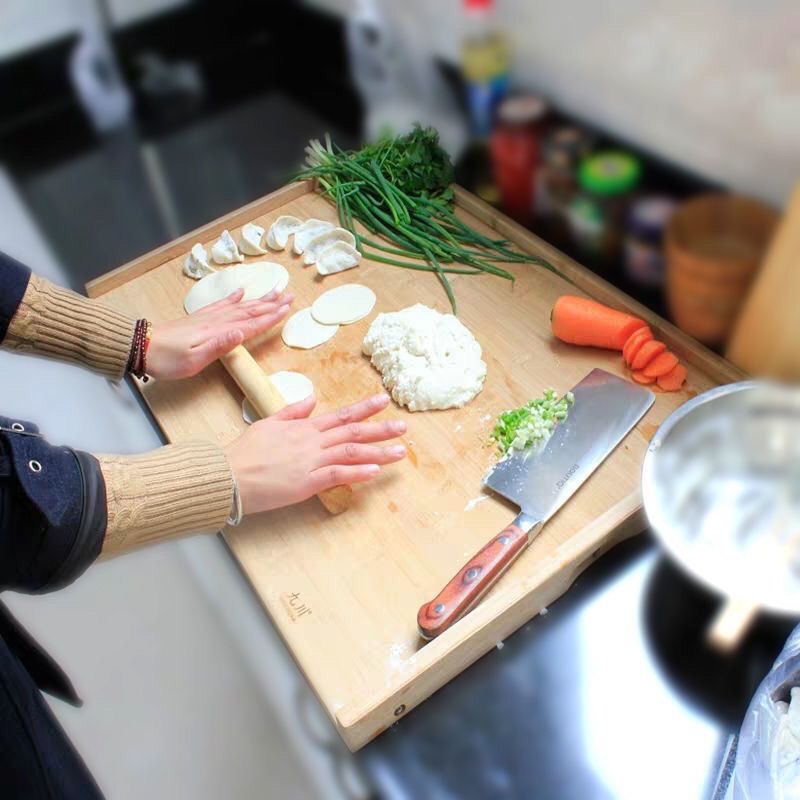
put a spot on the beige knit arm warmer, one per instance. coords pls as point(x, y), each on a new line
point(58, 323)
point(181, 488)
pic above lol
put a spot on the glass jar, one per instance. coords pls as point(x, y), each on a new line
point(515, 154)
point(597, 215)
point(563, 150)
point(644, 248)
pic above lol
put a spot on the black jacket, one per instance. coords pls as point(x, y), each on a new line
point(52, 524)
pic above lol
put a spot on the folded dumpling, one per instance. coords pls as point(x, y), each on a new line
point(319, 243)
point(196, 264)
point(309, 230)
point(224, 250)
point(337, 257)
point(281, 230)
point(250, 240)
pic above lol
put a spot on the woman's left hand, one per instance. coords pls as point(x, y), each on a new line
point(183, 347)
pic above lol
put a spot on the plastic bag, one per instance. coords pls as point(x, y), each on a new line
point(768, 753)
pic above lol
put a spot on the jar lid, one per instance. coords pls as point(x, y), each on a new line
point(567, 143)
point(609, 173)
point(569, 137)
point(522, 110)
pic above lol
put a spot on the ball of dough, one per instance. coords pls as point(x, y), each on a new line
point(427, 360)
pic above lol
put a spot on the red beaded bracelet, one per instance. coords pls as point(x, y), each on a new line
point(137, 361)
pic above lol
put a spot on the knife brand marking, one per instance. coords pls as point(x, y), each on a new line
point(295, 606)
point(572, 470)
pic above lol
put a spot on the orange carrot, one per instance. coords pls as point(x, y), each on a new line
point(578, 320)
point(647, 352)
point(661, 365)
point(674, 379)
point(635, 341)
point(641, 377)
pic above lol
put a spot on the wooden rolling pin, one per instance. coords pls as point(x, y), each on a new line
point(267, 400)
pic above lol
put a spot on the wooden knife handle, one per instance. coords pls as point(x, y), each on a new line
point(267, 400)
point(470, 583)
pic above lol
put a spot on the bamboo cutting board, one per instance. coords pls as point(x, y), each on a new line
point(344, 591)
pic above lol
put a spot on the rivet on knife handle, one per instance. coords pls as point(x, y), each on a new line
point(471, 582)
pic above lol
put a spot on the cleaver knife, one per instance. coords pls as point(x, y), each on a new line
point(539, 481)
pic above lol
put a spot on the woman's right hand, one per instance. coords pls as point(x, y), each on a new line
point(289, 457)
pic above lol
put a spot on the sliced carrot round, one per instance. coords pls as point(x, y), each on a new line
point(647, 352)
point(626, 330)
point(635, 335)
point(635, 341)
point(641, 377)
point(674, 379)
point(661, 364)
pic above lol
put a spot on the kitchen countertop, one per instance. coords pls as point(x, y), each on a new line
point(611, 694)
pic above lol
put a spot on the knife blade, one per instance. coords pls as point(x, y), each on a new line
point(539, 480)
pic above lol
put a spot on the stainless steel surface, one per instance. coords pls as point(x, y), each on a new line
point(581, 703)
point(721, 489)
point(541, 480)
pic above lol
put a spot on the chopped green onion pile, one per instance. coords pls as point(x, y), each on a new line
point(534, 422)
point(400, 189)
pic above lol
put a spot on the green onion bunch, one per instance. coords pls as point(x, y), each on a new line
point(401, 190)
point(532, 423)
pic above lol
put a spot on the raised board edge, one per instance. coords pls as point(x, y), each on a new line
point(485, 626)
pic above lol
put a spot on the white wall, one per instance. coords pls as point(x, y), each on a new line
point(24, 24)
point(124, 12)
point(31, 23)
point(712, 84)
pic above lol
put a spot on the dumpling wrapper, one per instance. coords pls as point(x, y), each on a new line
point(304, 332)
point(250, 240)
point(196, 264)
point(225, 251)
point(293, 386)
point(281, 230)
point(257, 279)
point(319, 243)
point(337, 257)
point(309, 230)
point(344, 304)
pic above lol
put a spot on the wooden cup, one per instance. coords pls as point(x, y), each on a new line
point(714, 245)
